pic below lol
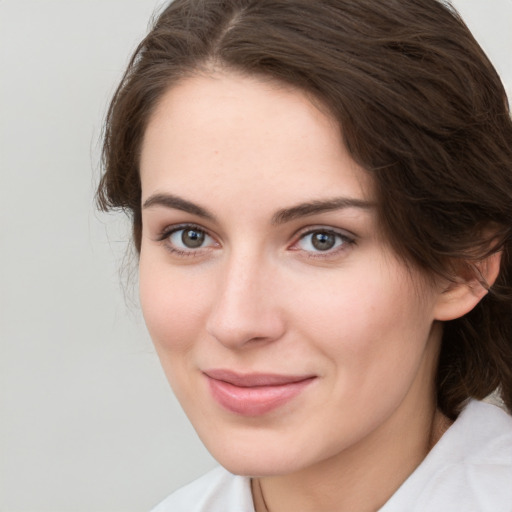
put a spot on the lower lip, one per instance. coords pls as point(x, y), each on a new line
point(257, 400)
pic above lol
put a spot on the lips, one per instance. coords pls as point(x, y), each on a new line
point(256, 393)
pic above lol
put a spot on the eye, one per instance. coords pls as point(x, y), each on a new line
point(186, 240)
point(323, 241)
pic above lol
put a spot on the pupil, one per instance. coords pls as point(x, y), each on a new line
point(192, 238)
point(323, 241)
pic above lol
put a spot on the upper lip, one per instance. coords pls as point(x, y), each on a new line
point(247, 380)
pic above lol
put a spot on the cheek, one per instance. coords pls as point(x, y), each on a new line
point(174, 314)
point(367, 325)
point(172, 308)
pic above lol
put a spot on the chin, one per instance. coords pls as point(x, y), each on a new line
point(259, 455)
point(259, 466)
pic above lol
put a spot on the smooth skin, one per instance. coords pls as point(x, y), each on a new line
point(261, 252)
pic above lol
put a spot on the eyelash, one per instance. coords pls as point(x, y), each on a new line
point(344, 241)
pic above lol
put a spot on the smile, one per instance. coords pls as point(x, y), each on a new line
point(254, 394)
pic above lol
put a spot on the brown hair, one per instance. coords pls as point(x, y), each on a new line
point(420, 107)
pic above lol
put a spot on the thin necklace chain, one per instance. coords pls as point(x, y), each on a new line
point(262, 496)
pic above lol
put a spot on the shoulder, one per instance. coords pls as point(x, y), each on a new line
point(216, 491)
point(481, 435)
point(470, 467)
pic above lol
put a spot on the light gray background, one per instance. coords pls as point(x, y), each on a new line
point(87, 422)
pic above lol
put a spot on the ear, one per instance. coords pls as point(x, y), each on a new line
point(459, 297)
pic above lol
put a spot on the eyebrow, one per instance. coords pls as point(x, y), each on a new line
point(177, 203)
point(319, 206)
point(280, 217)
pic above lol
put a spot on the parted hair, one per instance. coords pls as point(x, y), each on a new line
point(419, 106)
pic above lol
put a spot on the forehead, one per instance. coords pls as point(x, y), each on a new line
point(232, 136)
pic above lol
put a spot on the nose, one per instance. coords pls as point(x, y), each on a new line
point(245, 308)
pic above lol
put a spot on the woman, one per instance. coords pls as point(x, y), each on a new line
point(321, 195)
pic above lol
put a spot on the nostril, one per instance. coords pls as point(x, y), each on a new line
point(236, 328)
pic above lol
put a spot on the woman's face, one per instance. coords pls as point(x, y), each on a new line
point(287, 327)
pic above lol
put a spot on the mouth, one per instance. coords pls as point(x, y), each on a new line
point(254, 394)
